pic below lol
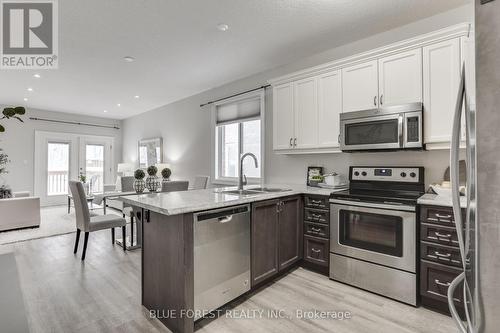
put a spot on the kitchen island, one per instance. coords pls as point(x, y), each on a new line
point(169, 249)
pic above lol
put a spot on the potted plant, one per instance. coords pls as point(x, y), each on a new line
point(152, 181)
point(139, 183)
point(166, 173)
point(5, 191)
point(12, 112)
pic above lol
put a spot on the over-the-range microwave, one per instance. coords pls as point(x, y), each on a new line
point(388, 128)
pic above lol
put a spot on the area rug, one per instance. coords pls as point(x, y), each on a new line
point(53, 221)
point(12, 311)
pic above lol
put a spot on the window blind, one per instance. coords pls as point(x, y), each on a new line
point(238, 111)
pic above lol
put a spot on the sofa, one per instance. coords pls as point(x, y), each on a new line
point(21, 211)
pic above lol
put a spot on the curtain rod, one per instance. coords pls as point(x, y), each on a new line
point(241, 93)
point(74, 123)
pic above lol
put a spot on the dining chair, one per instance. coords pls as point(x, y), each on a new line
point(174, 186)
point(87, 223)
point(200, 182)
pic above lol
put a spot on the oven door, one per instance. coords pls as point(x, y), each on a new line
point(379, 233)
point(377, 132)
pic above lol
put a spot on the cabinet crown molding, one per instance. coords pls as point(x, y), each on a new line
point(458, 30)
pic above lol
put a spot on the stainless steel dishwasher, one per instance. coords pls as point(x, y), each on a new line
point(221, 257)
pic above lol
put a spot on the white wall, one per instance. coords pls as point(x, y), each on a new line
point(185, 127)
point(18, 142)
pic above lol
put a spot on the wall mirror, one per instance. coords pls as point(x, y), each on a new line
point(150, 152)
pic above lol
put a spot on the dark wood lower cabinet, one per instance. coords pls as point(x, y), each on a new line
point(316, 250)
point(289, 232)
point(276, 236)
point(264, 240)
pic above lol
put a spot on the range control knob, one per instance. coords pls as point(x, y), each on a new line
point(413, 174)
point(363, 173)
point(356, 173)
point(403, 174)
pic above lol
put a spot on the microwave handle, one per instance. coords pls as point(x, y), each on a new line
point(400, 130)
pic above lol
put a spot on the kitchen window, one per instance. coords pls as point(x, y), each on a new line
point(238, 130)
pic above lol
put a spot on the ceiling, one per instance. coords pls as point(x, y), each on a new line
point(179, 51)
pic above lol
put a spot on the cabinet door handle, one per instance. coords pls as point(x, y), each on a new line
point(443, 216)
point(442, 235)
point(442, 255)
point(443, 284)
point(375, 100)
point(381, 99)
point(315, 251)
point(291, 142)
point(295, 142)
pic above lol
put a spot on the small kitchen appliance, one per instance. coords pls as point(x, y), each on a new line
point(388, 128)
point(374, 231)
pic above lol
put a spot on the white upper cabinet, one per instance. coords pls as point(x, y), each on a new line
point(400, 78)
point(329, 108)
point(441, 73)
point(283, 116)
point(306, 113)
point(360, 86)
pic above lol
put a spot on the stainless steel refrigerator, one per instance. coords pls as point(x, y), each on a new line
point(480, 230)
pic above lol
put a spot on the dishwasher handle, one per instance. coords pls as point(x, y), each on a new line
point(223, 215)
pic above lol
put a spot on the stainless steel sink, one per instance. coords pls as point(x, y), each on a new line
point(270, 189)
point(242, 192)
point(256, 191)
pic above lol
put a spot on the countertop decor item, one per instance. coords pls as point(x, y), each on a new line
point(334, 179)
point(166, 173)
point(314, 176)
point(152, 181)
point(139, 183)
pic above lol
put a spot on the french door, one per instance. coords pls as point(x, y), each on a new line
point(60, 157)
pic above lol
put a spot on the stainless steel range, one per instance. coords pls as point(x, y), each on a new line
point(374, 231)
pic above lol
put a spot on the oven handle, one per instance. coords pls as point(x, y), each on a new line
point(406, 208)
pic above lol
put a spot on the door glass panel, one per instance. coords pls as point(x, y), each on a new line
point(57, 168)
point(373, 232)
point(372, 132)
point(94, 167)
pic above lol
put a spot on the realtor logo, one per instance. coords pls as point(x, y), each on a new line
point(29, 34)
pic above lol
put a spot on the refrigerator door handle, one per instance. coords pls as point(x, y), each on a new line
point(451, 291)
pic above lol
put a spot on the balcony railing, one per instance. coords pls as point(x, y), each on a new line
point(57, 182)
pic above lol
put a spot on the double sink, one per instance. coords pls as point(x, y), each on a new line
point(256, 191)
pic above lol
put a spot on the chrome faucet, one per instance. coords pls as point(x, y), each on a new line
point(243, 179)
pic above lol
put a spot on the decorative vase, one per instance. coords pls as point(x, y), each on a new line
point(153, 183)
point(139, 185)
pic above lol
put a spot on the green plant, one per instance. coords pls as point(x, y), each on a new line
point(83, 178)
point(165, 173)
point(139, 174)
point(152, 170)
point(4, 160)
point(12, 112)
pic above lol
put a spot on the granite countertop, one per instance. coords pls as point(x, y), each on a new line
point(439, 200)
point(174, 203)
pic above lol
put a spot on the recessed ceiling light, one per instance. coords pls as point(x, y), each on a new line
point(37, 76)
point(128, 58)
point(118, 105)
point(136, 96)
point(30, 89)
point(105, 111)
point(25, 99)
point(222, 27)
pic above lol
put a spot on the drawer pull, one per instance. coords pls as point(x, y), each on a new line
point(443, 216)
point(317, 202)
point(442, 235)
point(315, 229)
point(316, 216)
point(443, 284)
point(315, 250)
point(441, 255)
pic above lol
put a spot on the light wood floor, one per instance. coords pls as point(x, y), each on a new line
point(62, 294)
